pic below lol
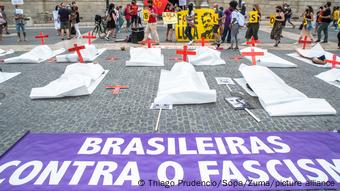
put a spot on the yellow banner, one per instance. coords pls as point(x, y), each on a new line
point(253, 17)
point(169, 17)
point(304, 21)
point(205, 19)
point(146, 15)
point(272, 19)
point(339, 23)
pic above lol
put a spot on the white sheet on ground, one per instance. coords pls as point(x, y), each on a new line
point(183, 85)
point(331, 76)
point(145, 57)
point(242, 82)
point(206, 56)
point(4, 76)
point(3, 52)
point(89, 54)
point(36, 55)
point(279, 99)
point(78, 79)
point(269, 59)
point(316, 51)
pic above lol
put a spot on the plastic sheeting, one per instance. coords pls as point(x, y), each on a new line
point(269, 59)
point(4, 53)
point(306, 55)
point(331, 76)
point(183, 85)
point(4, 76)
point(145, 57)
point(89, 54)
point(206, 56)
point(36, 55)
point(279, 99)
point(78, 79)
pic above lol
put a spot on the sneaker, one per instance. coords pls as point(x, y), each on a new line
point(107, 38)
point(317, 41)
point(8, 33)
point(190, 42)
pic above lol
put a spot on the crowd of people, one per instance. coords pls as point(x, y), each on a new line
point(230, 21)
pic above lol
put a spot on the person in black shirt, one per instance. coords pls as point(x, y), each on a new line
point(288, 14)
point(64, 15)
point(325, 18)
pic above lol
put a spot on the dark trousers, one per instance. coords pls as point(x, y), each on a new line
point(323, 27)
point(226, 33)
point(188, 32)
point(339, 39)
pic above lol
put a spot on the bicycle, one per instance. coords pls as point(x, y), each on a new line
point(100, 27)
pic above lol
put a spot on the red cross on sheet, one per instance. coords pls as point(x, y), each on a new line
point(334, 62)
point(185, 52)
point(149, 42)
point(42, 37)
point(304, 42)
point(202, 41)
point(253, 55)
point(116, 89)
point(89, 37)
point(77, 49)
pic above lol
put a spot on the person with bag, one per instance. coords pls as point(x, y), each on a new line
point(237, 21)
point(278, 26)
point(190, 23)
point(151, 27)
point(20, 18)
point(111, 19)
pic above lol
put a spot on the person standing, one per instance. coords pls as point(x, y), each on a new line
point(226, 32)
point(288, 14)
point(253, 28)
point(318, 20)
point(111, 18)
point(64, 15)
point(278, 26)
point(77, 21)
point(20, 22)
point(336, 16)
point(2, 22)
point(56, 20)
point(217, 26)
point(308, 17)
point(127, 17)
point(237, 20)
point(151, 27)
point(4, 16)
point(169, 31)
point(134, 14)
point(325, 17)
point(190, 22)
point(339, 40)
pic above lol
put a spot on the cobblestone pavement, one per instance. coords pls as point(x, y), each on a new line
point(129, 111)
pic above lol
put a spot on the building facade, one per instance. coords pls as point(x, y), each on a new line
point(41, 10)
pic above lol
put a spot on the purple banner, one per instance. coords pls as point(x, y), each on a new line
point(220, 161)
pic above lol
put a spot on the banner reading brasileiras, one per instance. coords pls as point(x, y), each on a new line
point(221, 161)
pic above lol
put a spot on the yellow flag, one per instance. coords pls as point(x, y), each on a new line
point(272, 19)
point(169, 18)
point(146, 15)
point(253, 17)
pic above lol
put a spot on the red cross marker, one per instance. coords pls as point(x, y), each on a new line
point(202, 41)
point(149, 41)
point(42, 37)
point(89, 37)
point(116, 89)
point(252, 42)
point(253, 55)
point(185, 52)
point(304, 42)
point(77, 49)
point(334, 62)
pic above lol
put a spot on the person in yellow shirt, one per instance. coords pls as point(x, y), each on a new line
point(336, 16)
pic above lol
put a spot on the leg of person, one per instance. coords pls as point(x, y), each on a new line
point(170, 34)
point(1, 28)
point(229, 35)
point(78, 34)
point(188, 34)
point(256, 31)
point(320, 29)
point(339, 40)
point(325, 31)
point(23, 31)
point(68, 33)
point(233, 36)
point(248, 32)
point(224, 34)
point(154, 33)
point(147, 32)
point(167, 33)
point(290, 22)
point(236, 34)
point(17, 27)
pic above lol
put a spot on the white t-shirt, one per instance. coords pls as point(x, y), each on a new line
point(238, 16)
